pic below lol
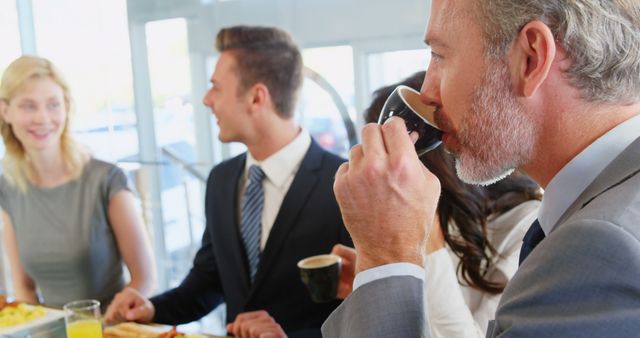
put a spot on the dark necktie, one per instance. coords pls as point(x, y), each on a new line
point(251, 222)
point(533, 236)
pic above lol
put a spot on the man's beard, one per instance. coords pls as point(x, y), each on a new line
point(497, 134)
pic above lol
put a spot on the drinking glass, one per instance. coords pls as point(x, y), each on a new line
point(82, 319)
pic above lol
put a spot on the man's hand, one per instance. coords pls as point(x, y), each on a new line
point(348, 270)
point(256, 324)
point(129, 305)
point(387, 197)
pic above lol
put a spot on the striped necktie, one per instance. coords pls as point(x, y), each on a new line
point(251, 222)
point(533, 236)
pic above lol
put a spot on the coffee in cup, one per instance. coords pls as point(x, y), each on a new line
point(321, 275)
point(418, 117)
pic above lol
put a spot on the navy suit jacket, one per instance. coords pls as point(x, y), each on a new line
point(308, 223)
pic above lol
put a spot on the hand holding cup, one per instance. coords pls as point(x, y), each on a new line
point(321, 275)
point(404, 102)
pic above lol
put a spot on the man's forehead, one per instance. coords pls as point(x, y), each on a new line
point(225, 63)
point(445, 16)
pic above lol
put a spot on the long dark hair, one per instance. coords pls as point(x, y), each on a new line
point(463, 208)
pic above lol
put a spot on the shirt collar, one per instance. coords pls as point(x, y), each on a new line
point(575, 177)
point(283, 163)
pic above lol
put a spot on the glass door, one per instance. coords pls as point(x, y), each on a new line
point(173, 118)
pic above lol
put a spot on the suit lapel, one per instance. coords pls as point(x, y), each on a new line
point(302, 185)
point(230, 227)
point(623, 167)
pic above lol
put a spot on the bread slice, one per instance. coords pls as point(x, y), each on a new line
point(133, 330)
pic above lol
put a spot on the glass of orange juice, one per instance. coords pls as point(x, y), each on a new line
point(82, 318)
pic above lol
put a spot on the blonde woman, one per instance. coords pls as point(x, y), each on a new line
point(69, 219)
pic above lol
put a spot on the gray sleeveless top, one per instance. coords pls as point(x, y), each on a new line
point(65, 241)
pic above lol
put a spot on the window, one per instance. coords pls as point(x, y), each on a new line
point(170, 74)
point(10, 38)
point(390, 67)
point(9, 32)
point(182, 207)
point(91, 48)
point(317, 110)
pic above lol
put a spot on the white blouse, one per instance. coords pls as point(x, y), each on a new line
point(456, 310)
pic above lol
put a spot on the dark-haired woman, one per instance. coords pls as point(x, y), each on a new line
point(473, 248)
point(474, 244)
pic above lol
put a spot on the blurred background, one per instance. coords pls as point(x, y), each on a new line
point(138, 70)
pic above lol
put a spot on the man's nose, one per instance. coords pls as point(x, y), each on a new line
point(430, 90)
point(206, 100)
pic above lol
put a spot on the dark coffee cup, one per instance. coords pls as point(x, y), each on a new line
point(321, 275)
point(405, 103)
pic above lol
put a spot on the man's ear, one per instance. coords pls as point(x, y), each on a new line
point(533, 54)
point(260, 96)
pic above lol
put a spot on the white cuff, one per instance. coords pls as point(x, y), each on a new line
point(388, 270)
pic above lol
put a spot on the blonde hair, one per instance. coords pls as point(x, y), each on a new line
point(16, 163)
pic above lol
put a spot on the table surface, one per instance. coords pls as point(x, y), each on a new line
point(55, 329)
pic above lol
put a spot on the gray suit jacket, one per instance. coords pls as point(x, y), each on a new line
point(583, 280)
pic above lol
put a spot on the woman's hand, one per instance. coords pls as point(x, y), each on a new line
point(348, 270)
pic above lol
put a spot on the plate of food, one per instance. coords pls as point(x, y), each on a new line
point(18, 316)
point(135, 330)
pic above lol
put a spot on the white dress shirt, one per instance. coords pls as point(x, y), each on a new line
point(280, 169)
point(563, 189)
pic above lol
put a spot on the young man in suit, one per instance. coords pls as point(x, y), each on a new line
point(253, 269)
point(551, 87)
